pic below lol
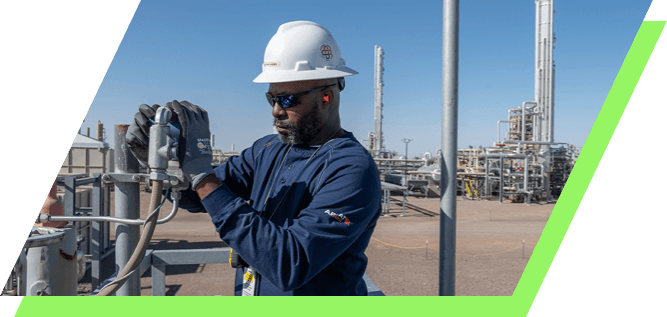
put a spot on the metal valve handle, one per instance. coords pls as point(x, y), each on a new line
point(161, 144)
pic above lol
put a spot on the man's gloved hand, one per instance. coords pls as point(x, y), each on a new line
point(195, 153)
point(138, 132)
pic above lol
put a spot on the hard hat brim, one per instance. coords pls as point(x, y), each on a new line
point(282, 76)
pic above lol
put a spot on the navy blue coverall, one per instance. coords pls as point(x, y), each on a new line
point(302, 221)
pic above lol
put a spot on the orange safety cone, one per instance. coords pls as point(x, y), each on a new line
point(53, 207)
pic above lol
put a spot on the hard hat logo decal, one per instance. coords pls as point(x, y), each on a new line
point(326, 52)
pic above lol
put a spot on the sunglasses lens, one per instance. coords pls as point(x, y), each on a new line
point(283, 101)
point(286, 101)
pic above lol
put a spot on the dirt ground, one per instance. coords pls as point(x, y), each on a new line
point(494, 243)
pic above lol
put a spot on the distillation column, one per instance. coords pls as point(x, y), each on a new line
point(379, 70)
point(544, 83)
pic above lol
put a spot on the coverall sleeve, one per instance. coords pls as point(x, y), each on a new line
point(236, 173)
point(347, 201)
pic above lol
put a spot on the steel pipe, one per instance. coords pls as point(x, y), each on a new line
point(523, 118)
point(450, 69)
point(127, 206)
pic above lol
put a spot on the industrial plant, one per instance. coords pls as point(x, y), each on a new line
point(526, 164)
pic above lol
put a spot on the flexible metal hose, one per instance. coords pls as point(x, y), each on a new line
point(142, 245)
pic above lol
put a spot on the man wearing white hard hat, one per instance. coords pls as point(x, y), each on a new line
point(298, 207)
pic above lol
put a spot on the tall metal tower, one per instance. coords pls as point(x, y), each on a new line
point(545, 69)
point(379, 70)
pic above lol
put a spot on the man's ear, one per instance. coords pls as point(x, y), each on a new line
point(327, 98)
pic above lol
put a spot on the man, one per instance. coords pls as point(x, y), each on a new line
point(299, 207)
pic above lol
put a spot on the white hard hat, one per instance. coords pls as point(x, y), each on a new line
point(302, 50)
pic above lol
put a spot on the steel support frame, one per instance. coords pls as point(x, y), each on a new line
point(158, 260)
point(98, 232)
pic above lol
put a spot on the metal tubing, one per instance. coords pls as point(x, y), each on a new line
point(523, 118)
point(131, 222)
point(503, 155)
point(450, 70)
point(127, 206)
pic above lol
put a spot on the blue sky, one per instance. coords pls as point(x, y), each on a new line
point(208, 52)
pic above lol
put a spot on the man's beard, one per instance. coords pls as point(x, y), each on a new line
point(309, 127)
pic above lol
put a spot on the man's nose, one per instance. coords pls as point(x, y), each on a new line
point(278, 111)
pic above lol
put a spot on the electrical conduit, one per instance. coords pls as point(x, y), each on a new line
point(144, 240)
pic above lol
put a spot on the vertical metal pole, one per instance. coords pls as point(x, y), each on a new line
point(501, 192)
point(405, 174)
point(106, 212)
point(70, 195)
point(97, 235)
point(487, 167)
point(127, 206)
point(450, 84)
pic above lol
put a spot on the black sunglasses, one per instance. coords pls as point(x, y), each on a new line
point(289, 101)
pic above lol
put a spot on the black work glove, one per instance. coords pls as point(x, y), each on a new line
point(138, 132)
point(195, 152)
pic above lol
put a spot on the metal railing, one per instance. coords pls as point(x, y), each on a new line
point(158, 260)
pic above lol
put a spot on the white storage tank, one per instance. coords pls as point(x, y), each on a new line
point(88, 156)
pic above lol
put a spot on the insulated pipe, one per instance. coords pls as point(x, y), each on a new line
point(517, 155)
point(519, 143)
point(427, 158)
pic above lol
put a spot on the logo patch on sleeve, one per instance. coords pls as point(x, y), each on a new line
point(338, 217)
